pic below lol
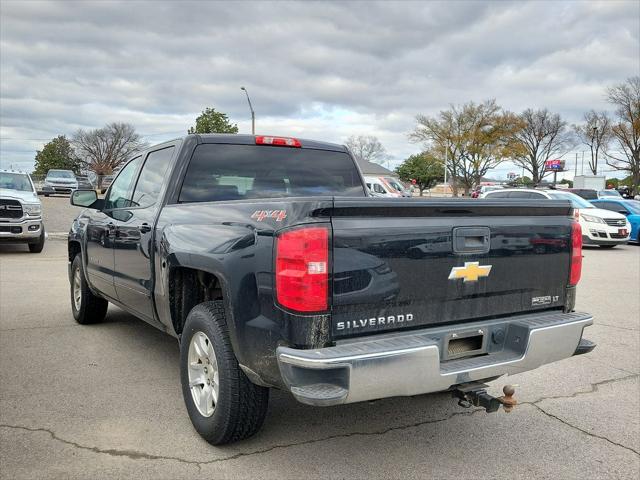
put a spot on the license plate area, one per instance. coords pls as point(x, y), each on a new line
point(467, 343)
point(622, 231)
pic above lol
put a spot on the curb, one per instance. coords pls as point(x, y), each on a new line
point(57, 235)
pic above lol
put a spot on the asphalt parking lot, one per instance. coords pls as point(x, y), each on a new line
point(58, 213)
point(104, 401)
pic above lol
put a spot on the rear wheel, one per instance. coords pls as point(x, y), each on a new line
point(37, 247)
point(223, 405)
point(86, 307)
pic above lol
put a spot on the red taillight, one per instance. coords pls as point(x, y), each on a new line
point(302, 262)
point(576, 253)
point(278, 141)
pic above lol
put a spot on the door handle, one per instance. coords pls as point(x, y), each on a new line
point(144, 228)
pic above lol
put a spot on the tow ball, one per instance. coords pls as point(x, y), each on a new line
point(475, 395)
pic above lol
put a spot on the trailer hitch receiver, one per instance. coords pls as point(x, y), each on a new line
point(475, 395)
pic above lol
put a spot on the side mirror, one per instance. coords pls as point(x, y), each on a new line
point(84, 198)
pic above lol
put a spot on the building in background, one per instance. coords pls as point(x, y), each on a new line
point(371, 169)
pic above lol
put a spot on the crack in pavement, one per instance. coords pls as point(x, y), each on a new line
point(132, 454)
point(586, 432)
point(343, 435)
point(594, 388)
point(136, 455)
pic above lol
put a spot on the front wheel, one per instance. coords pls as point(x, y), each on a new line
point(86, 307)
point(223, 405)
point(39, 245)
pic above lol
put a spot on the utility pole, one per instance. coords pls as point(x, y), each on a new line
point(253, 114)
point(576, 169)
point(446, 155)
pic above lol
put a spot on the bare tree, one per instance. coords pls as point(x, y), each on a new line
point(626, 129)
point(366, 148)
point(539, 136)
point(103, 149)
point(595, 132)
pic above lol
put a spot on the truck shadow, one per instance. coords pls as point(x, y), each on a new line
point(14, 248)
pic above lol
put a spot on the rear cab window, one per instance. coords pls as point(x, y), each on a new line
point(220, 172)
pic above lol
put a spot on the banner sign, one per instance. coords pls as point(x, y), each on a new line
point(557, 165)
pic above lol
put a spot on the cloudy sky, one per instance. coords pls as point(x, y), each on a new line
point(322, 70)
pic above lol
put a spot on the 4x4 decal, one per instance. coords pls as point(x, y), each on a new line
point(260, 215)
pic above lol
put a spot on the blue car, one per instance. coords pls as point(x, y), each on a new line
point(630, 208)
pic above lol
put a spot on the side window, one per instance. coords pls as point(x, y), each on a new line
point(537, 196)
point(119, 195)
point(497, 195)
point(378, 188)
point(524, 195)
point(613, 206)
point(151, 177)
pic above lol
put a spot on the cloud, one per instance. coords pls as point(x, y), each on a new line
point(320, 70)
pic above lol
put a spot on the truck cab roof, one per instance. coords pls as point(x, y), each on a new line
point(242, 139)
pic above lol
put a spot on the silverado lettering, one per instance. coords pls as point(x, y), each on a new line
point(389, 321)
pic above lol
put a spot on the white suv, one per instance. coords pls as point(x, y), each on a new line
point(20, 211)
point(599, 226)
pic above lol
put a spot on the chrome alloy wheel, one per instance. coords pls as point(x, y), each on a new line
point(77, 290)
point(203, 374)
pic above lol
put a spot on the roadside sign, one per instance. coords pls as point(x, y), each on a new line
point(556, 165)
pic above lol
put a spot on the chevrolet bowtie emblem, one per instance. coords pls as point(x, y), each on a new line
point(470, 272)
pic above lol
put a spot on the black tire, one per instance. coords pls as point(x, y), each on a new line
point(39, 245)
point(92, 309)
point(241, 406)
point(607, 246)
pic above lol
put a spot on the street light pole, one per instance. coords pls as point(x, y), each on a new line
point(253, 114)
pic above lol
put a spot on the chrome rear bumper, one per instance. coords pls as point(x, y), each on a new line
point(411, 363)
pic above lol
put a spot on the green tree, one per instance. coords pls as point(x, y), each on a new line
point(211, 121)
point(566, 182)
point(425, 168)
point(612, 181)
point(522, 182)
point(58, 153)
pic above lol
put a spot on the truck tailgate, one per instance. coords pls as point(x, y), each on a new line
point(407, 263)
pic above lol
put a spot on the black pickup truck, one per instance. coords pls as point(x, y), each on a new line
point(270, 263)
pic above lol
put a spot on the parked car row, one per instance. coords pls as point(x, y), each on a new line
point(607, 227)
point(386, 187)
